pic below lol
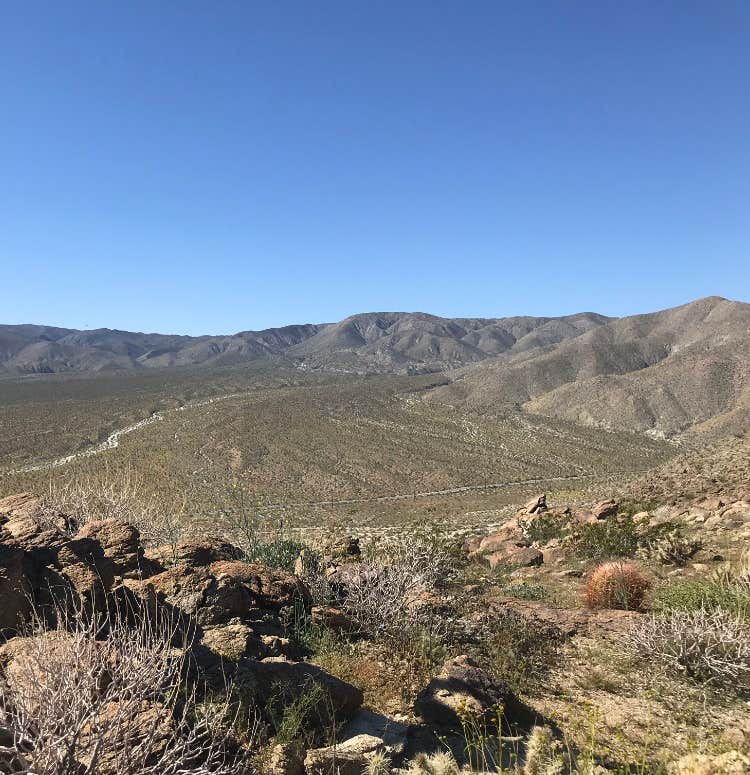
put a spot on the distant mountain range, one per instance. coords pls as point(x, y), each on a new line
point(681, 369)
point(372, 342)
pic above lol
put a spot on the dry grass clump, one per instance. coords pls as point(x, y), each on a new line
point(709, 646)
point(76, 701)
point(616, 584)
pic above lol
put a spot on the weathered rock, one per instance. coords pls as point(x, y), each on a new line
point(286, 759)
point(604, 509)
point(736, 514)
point(711, 503)
point(270, 588)
point(584, 517)
point(89, 573)
point(121, 544)
point(225, 590)
point(333, 618)
point(14, 587)
point(509, 533)
point(462, 686)
point(274, 677)
point(230, 641)
point(22, 519)
point(182, 587)
point(195, 552)
point(514, 557)
point(347, 758)
point(535, 505)
point(729, 763)
point(392, 733)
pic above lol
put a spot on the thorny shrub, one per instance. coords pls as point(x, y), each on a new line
point(98, 696)
point(711, 647)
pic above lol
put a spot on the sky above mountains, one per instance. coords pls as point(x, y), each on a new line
point(213, 167)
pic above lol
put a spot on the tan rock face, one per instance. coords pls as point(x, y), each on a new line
point(515, 557)
point(604, 509)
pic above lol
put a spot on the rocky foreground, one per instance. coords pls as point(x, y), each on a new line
point(578, 582)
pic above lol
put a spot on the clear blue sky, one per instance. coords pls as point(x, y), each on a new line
point(208, 167)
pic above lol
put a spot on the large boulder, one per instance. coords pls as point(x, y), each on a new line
point(195, 552)
point(463, 687)
point(347, 758)
point(14, 586)
point(226, 590)
point(121, 544)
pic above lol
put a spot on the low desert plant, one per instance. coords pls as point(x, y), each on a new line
point(306, 717)
point(710, 647)
point(441, 763)
point(525, 590)
point(616, 585)
point(672, 548)
point(708, 594)
point(544, 527)
point(519, 649)
point(616, 537)
point(275, 554)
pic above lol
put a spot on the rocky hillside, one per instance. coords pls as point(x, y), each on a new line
point(664, 373)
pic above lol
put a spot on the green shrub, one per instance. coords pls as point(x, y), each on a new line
point(616, 537)
point(629, 508)
point(525, 590)
point(519, 649)
point(710, 594)
point(276, 554)
point(544, 527)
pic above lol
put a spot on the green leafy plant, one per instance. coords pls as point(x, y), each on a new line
point(275, 554)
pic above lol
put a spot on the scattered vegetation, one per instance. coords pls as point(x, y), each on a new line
point(526, 590)
point(616, 537)
point(519, 649)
